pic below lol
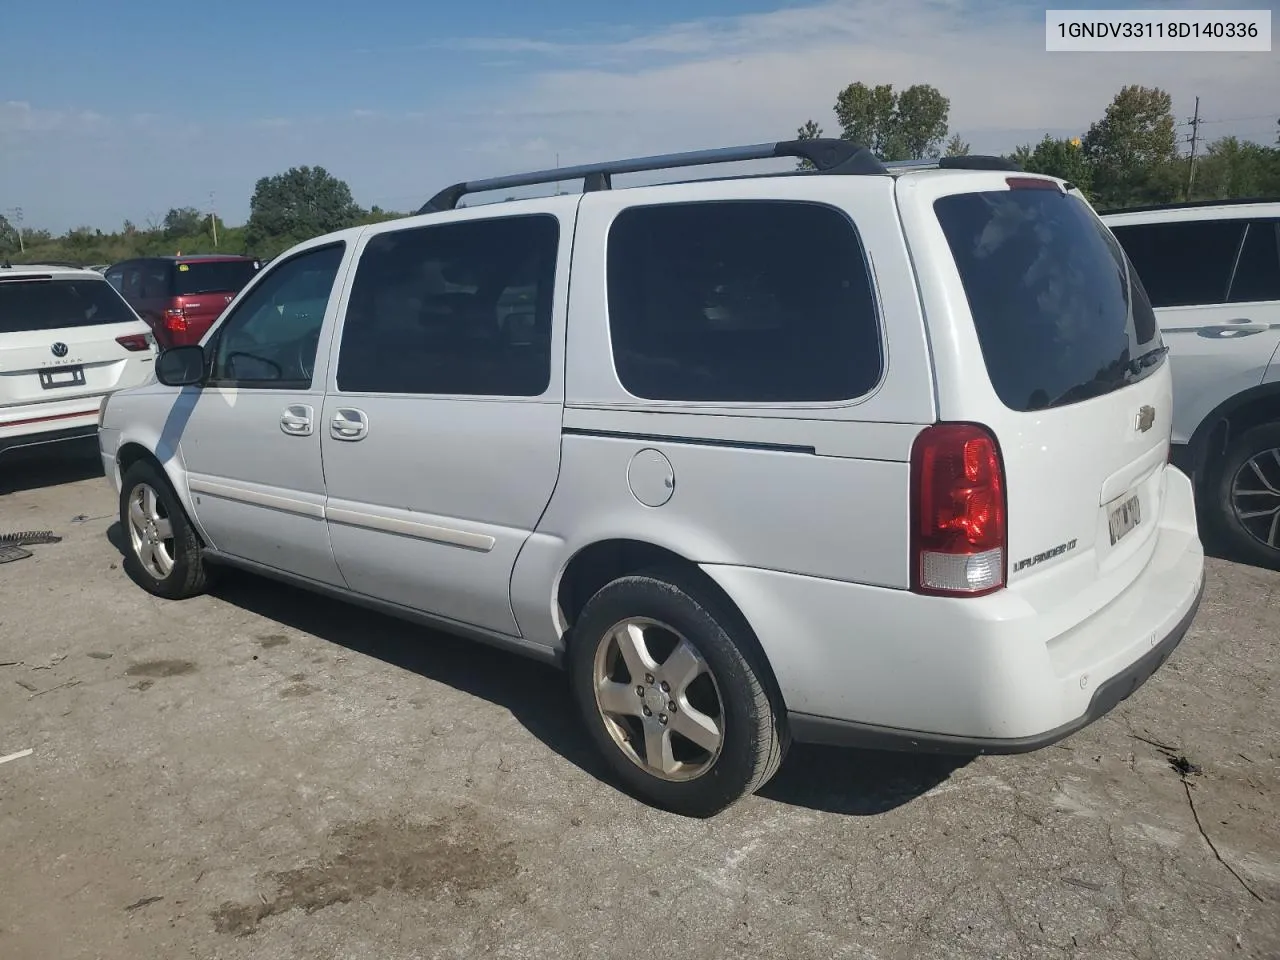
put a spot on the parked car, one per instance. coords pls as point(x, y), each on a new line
point(1213, 274)
point(683, 440)
point(181, 297)
point(66, 341)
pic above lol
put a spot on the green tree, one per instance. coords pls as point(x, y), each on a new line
point(895, 126)
point(1133, 148)
point(956, 147)
point(920, 122)
point(8, 235)
point(182, 222)
point(866, 115)
point(293, 206)
point(1235, 168)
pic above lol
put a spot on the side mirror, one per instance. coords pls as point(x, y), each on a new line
point(181, 366)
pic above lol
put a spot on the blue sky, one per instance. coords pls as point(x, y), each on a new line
point(142, 106)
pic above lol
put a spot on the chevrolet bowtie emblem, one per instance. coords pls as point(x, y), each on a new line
point(1146, 418)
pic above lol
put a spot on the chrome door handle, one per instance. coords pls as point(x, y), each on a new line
point(349, 424)
point(297, 420)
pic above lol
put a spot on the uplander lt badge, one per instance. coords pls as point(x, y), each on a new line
point(1057, 551)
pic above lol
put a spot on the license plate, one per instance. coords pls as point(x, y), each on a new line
point(62, 377)
point(1124, 518)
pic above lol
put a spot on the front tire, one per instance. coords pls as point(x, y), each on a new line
point(1246, 500)
point(674, 695)
point(162, 551)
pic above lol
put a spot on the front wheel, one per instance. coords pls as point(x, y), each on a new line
point(162, 551)
point(1246, 501)
point(677, 707)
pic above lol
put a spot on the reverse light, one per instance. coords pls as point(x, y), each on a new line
point(958, 524)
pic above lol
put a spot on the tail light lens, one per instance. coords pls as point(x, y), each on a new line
point(958, 524)
point(175, 318)
point(136, 341)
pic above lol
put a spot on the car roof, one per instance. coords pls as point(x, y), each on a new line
point(1195, 210)
point(60, 271)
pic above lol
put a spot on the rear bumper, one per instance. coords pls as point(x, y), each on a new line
point(881, 667)
point(24, 426)
point(807, 728)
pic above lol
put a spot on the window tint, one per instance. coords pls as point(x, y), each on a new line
point(1183, 263)
point(1258, 270)
point(270, 339)
point(48, 304)
point(459, 308)
point(213, 276)
point(741, 301)
point(115, 277)
point(1049, 291)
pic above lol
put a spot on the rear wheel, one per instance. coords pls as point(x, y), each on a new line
point(677, 706)
point(162, 551)
point(1246, 501)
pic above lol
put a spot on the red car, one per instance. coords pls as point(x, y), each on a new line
point(179, 296)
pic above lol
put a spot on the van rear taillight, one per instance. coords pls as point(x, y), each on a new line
point(175, 318)
point(958, 524)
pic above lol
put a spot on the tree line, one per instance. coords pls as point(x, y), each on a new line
point(1129, 157)
point(285, 209)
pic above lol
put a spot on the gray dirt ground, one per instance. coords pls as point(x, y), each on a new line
point(263, 774)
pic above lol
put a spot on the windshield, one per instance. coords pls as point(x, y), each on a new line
point(212, 276)
point(43, 303)
point(1060, 314)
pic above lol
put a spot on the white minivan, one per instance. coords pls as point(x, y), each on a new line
point(871, 454)
point(67, 339)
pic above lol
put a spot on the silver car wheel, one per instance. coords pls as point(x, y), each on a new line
point(150, 532)
point(658, 699)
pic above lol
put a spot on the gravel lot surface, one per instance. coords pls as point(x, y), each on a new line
point(260, 773)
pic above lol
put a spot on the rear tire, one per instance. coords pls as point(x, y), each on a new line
point(1245, 497)
point(162, 552)
point(674, 695)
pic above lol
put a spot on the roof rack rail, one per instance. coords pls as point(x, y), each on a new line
point(826, 155)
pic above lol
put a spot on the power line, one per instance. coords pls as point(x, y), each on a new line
point(1260, 116)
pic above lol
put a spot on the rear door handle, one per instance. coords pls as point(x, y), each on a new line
point(297, 420)
point(349, 424)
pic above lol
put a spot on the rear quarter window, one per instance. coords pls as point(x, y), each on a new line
point(741, 302)
point(1059, 314)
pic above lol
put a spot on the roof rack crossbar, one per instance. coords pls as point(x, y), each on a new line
point(826, 155)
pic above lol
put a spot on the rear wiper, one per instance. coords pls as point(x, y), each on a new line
point(1148, 359)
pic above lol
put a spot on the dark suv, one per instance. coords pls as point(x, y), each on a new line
point(178, 296)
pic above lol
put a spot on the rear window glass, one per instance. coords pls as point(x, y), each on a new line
point(215, 276)
point(1186, 262)
point(741, 301)
point(1049, 290)
point(49, 304)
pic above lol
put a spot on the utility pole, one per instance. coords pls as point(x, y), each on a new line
point(1195, 140)
point(213, 219)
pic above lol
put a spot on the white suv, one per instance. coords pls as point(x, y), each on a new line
point(871, 455)
point(1212, 271)
point(66, 340)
